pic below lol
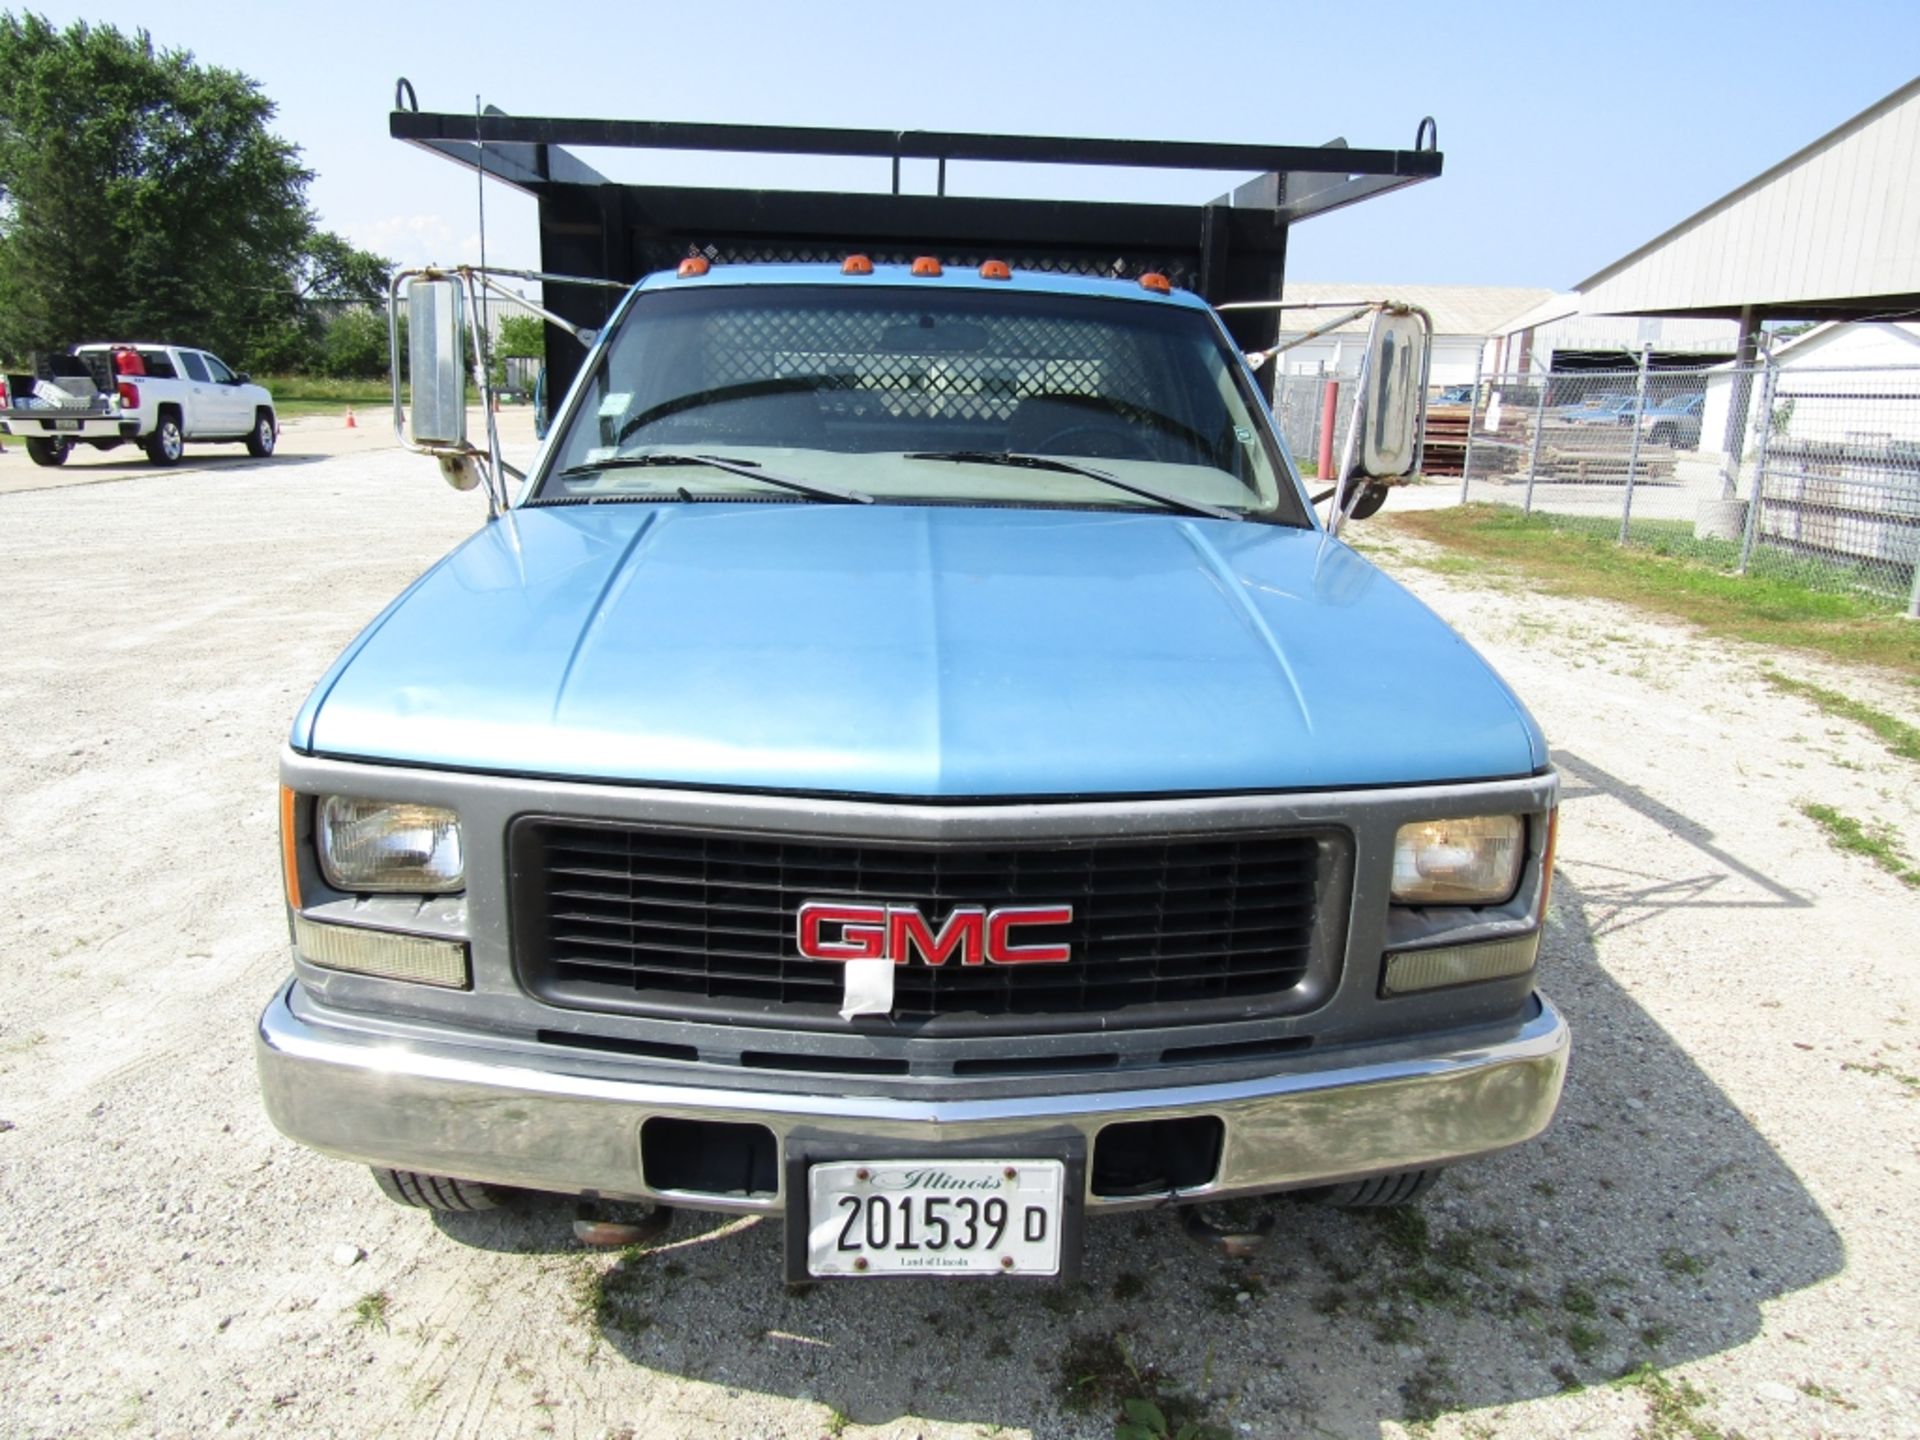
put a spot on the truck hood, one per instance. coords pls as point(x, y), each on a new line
point(917, 651)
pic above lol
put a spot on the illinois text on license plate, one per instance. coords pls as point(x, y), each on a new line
point(958, 1217)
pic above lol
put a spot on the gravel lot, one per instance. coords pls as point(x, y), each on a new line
point(1728, 1190)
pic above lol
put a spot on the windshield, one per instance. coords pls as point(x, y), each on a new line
point(862, 389)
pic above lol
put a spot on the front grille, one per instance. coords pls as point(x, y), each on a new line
point(675, 922)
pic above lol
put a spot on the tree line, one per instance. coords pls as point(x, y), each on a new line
point(142, 195)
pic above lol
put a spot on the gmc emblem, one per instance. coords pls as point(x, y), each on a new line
point(842, 930)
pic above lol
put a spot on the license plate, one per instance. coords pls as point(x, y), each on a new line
point(947, 1217)
point(66, 424)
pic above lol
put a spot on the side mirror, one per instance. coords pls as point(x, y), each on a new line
point(436, 333)
point(243, 378)
point(1391, 410)
point(1396, 371)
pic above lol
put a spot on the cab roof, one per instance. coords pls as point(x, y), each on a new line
point(952, 277)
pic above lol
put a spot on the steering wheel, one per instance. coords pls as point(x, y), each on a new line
point(1121, 443)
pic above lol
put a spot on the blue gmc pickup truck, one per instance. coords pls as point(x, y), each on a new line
point(910, 759)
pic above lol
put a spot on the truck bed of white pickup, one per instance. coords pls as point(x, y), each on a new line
point(156, 396)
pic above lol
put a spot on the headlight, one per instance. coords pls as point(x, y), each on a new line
point(383, 845)
point(1458, 862)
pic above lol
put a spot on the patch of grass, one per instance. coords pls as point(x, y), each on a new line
point(1428, 1393)
point(1585, 1341)
point(1576, 1300)
point(1897, 735)
point(837, 1421)
point(1654, 1335)
point(1769, 610)
point(1395, 1328)
point(1880, 844)
point(1094, 1370)
point(295, 395)
point(1404, 1230)
point(1676, 1261)
point(370, 1311)
point(1673, 1404)
point(1097, 1372)
point(1330, 1301)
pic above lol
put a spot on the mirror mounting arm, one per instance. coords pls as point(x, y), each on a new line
point(464, 465)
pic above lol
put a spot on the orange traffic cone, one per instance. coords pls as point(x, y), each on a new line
point(352, 424)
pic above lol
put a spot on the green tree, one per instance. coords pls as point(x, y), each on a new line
point(523, 335)
point(142, 194)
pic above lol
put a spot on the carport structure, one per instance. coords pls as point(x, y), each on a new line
point(1832, 232)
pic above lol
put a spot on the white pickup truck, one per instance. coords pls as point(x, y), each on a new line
point(155, 396)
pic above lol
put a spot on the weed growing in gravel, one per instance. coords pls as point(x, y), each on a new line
point(1676, 1261)
point(1880, 844)
point(1585, 1341)
point(1097, 1372)
point(1129, 1286)
point(1672, 1405)
point(1429, 1391)
point(1898, 736)
point(1911, 1083)
point(1821, 1392)
point(1577, 1300)
point(370, 1311)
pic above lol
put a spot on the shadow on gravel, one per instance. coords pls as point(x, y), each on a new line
point(1649, 1225)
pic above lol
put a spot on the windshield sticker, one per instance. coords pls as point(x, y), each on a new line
point(617, 403)
point(600, 453)
point(1243, 434)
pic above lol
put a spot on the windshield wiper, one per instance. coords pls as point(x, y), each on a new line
point(1067, 467)
point(747, 468)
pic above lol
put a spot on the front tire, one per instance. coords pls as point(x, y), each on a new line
point(1381, 1192)
point(167, 443)
point(49, 452)
point(261, 440)
point(434, 1192)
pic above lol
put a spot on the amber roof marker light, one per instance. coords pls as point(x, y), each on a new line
point(1153, 280)
point(996, 270)
point(856, 265)
point(926, 265)
point(693, 265)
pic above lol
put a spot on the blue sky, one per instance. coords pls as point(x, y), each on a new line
point(1572, 134)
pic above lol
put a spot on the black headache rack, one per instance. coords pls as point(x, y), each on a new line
point(1231, 248)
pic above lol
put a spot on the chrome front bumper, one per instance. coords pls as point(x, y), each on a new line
point(461, 1110)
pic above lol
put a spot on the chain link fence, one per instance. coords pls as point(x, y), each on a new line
point(1808, 474)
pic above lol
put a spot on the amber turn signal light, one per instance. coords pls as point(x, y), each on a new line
point(289, 844)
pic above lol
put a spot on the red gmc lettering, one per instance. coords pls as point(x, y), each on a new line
point(965, 931)
point(1001, 924)
point(835, 930)
point(863, 931)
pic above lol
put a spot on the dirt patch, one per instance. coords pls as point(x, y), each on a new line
point(1725, 1198)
